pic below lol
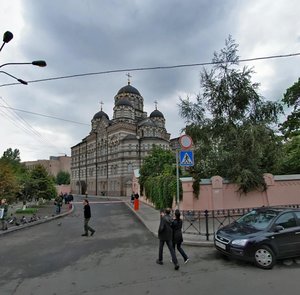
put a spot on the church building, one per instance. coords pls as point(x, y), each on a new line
point(104, 161)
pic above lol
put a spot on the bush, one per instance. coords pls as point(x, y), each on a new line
point(27, 211)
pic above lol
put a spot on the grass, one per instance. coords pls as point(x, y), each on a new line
point(27, 211)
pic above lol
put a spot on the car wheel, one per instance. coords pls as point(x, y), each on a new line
point(264, 257)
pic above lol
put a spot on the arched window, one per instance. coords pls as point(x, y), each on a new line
point(129, 167)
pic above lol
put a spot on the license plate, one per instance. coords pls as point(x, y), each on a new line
point(220, 245)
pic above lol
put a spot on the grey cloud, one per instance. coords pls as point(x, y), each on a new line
point(90, 36)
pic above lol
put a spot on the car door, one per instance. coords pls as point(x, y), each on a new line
point(297, 233)
point(287, 240)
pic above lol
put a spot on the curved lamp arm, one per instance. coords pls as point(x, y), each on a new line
point(19, 80)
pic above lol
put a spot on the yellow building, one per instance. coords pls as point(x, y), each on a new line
point(53, 165)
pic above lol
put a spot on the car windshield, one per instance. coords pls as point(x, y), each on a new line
point(259, 219)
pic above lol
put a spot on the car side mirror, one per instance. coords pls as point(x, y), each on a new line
point(278, 228)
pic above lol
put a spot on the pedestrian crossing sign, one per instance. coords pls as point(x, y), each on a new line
point(186, 158)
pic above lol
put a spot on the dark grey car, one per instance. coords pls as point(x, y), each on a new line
point(262, 236)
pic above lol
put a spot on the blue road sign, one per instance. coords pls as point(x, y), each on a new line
point(186, 158)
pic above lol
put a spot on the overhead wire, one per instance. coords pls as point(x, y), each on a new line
point(43, 115)
point(22, 124)
point(31, 130)
point(155, 68)
point(18, 118)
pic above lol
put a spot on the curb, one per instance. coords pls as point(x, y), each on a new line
point(185, 242)
point(27, 225)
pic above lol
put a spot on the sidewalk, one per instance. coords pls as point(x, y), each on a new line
point(45, 213)
point(150, 218)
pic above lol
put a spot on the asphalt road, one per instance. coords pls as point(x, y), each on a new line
point(120, 259)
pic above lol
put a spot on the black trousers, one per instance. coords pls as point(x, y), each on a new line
point(87, 228)
point(171, 249)
point(180, 250)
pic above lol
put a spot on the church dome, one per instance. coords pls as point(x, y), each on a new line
point(123, 102)
point(156, 114)
point(100, 114)
point(128, 89)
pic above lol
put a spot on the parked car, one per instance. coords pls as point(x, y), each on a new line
point(263, 235)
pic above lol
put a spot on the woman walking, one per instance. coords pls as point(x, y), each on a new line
point(177, 235)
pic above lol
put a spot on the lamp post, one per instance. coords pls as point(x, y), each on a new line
point(7, 36)
point(19, 80)
point(96, 188)
point(40, 63)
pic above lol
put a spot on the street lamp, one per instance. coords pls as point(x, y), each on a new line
point(40, 63)
point(7, 36)
point(19, 80)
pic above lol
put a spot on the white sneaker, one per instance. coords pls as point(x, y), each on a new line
point(186, 261)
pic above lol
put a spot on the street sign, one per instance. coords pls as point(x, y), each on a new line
point(186, 158)
point(185, 141)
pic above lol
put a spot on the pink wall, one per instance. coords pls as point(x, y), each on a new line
point(63, 188)
point(218, 194)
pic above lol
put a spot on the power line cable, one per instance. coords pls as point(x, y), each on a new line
point(154, 68)
point(23, 127)
point(22, 124)
point(20, 119)
point(43, 115)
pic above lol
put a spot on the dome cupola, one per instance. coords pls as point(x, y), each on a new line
point(100, 114)
point(156, 114)
point(128, 89)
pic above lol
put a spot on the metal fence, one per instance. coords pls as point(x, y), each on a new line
point(205, 223)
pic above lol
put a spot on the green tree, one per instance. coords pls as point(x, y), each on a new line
point(290, 159)
point(231, 124)
point(12, 158)
point(12, 161)
point(62, 177)
point(39, 184)
point(12, 155)
point(157, 177)
point(291, 126)
point(155, 163)
point(8, 182)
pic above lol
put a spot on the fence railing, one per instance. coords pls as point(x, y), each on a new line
point(205, 223)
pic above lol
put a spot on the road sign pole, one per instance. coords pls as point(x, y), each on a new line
point(177, 178)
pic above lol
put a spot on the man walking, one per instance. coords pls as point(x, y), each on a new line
point(87, 217)
point(165, 234)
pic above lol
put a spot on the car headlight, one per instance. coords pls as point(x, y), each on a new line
point(241, 242)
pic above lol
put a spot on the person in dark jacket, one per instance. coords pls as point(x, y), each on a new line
point(4, 209)
point(87, 217)
point(177, 235)
point(165, 234)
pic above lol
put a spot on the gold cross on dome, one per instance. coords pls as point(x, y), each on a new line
point(155, 102)
point(101, 103)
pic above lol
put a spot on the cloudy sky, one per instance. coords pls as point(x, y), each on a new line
point(85, 36)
